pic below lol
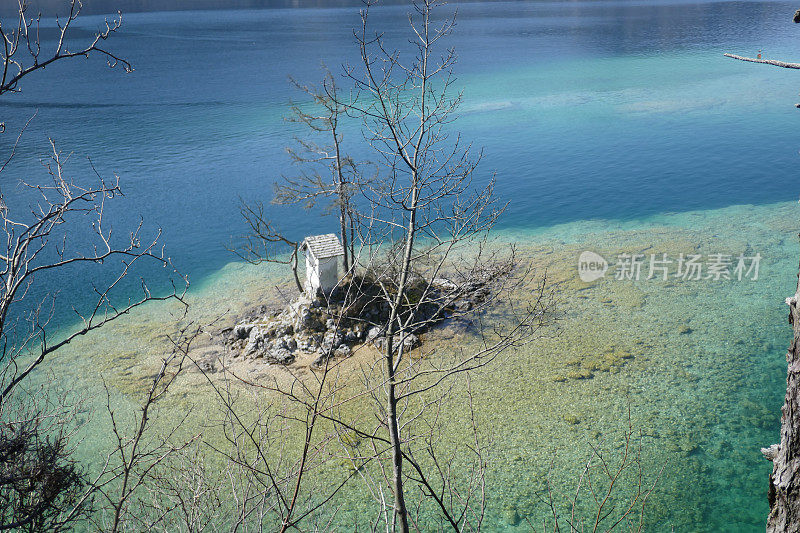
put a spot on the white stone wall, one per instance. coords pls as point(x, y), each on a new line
point(328, 273)
point(323, 274)
point(312, 274)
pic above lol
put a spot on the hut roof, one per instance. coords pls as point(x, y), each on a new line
point(323, 246)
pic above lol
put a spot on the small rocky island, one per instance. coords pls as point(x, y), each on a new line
point(334, 315)
point(352, 314)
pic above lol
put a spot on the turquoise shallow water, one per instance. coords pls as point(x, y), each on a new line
point(613, 126)
point(698, 363)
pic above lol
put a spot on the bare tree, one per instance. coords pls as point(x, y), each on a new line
point(22, 53)
point(138, 453)
point(611, 493)
point(309, 187)
point(43, 243)
point(430, 221)
point(41, 486)
point(41, 239)
point(264, 243)
point(424, 255)
point(329, 177)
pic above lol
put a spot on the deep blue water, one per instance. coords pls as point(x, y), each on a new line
point(584, 109)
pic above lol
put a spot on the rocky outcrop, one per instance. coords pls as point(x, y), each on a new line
point(307, 325)
point(333, 327)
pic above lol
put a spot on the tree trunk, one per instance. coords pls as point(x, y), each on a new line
point(294, 270)
point(341, 195)
point(400, 511)
point(784, 482)
point(343, 229)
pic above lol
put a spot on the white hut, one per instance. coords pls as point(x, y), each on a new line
point(322, 262)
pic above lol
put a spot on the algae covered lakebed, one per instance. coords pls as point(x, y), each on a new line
point(613, 127)
point(698, 364)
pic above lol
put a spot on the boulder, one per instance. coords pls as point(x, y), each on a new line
point(444, 284)
point(280, 356)
point(351, 336)
point(282, 329)
point(289, 343)
point(331, 341)
point(308, 344)
point(256, 342)
point(304, 320)
point(302, 302)
point(374, 333)
point(286, 342)
point(411, 341)
point(242, 331)
point(309, 320)
point(343, 351)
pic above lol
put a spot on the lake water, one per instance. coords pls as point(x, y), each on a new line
point(612, 125)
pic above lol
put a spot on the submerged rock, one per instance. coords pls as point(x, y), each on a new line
point(207, 366)
point(511, 516)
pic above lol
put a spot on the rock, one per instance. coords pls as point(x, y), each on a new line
point(242, 331)
point(207, 366)
point(286, 342)
point(511, 516)
point(308, 344)
point(343, 351)
point(302, 303)
point(255, 343)
point(411, 341)
point(331, 341)
point(330, 324)
point(374, 333)
point(351, 337)
point(305, 320)
point(282, 329)
point(289, 343)
point(309, 321)
point(326, 353)
point(581, 373)
point(444, 284)
point(462, 306)
point(281, 356)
